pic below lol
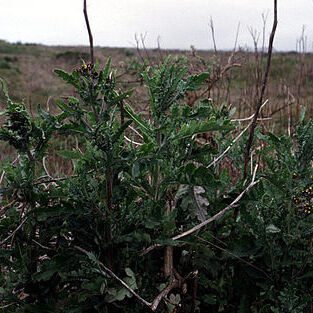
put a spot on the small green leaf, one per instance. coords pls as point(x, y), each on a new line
point(129, 272)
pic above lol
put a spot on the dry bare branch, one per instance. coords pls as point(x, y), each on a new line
point(251, 117)
point(132, 141)
point(264, 84)
point(234, 255)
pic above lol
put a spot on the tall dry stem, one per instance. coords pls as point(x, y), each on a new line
point(265, 79)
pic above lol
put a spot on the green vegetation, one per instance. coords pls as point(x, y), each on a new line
point(144, 186)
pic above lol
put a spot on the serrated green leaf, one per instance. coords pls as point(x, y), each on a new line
point(68, 78)
point(142, 124)
point(194, 81)
point(191, 129)
point(5, 91)
point(107, 68)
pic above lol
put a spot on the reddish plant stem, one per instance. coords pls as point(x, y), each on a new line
point(264, 84)
point(89, 32)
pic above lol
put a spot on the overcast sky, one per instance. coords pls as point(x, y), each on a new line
point(178, 23)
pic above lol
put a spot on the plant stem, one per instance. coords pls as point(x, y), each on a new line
point(89, 32)
point(265, 78)
point(108, 234)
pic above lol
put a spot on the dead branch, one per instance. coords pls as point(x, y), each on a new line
point(45, 167)
point(265, 78)
point(7, 305)
point(251, 117)
point(173, 284)
point(2, 176)
point(211, 219)
point(132, 141)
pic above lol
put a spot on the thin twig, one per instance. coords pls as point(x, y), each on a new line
point(7, 305)
point(132, 141)
point(251, 117)
point(134, 130)
point(6, 207)
point(45, 167)
point(134, 293)
point(163, 294)
point(228, 148)
point(2, 175)
point(237, 35)
point(235, 256)
point(212, 32)
point(265, 78)
point(55, 180)
point(42, 246)
point(13, 233)
point(221, 213)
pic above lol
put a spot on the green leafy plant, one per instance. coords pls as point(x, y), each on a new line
point(144, 202)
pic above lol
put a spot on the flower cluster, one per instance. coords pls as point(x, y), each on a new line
point(87, 69)
point(304, 200)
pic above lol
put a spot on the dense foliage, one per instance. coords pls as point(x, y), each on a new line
point(137, 182)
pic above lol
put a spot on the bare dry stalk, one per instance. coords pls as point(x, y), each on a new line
point(89, 32)
point(212, 32)
point(45, 167)
point(265, 79)
point(2, 176)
